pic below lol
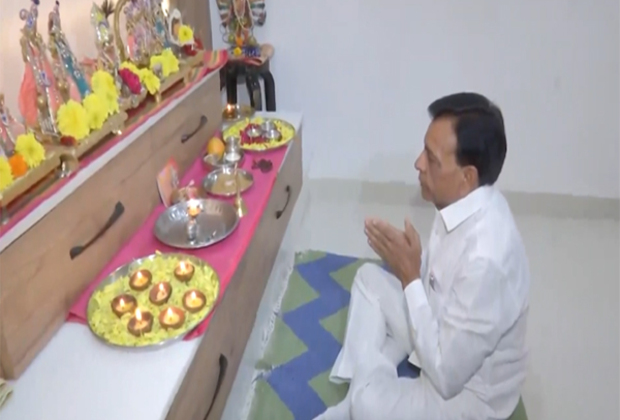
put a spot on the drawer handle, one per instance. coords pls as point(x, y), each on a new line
point(223, 363)
point(203, 121)
point(119, 209)
point(279, 213)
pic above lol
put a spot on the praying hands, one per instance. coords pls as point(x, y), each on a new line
point(401, 250)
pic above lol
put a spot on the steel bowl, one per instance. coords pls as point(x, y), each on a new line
point(210, 180)
point(268, 125)
point(273, 135)
point(212, 162)
point(254, 131)
point(232, 142)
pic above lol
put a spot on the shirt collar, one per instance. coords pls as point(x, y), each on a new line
point(456, 213)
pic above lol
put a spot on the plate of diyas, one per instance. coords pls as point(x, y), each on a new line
point(261, 134)
point(153, 301)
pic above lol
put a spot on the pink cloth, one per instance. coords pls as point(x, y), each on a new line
point(224, 257)
point(214, 60)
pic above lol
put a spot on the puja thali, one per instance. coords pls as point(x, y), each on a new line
point(215, 221)
point(191, 290)
point(261, 134)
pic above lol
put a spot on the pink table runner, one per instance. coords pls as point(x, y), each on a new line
point(214, 60)
point(223, 257)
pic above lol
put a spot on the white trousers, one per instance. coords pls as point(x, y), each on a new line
point(378, 337)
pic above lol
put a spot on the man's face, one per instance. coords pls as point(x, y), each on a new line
point(442, 180)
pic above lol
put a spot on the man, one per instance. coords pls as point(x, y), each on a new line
point(459, 310)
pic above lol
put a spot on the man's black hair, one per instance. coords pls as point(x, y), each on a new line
point(479, 129)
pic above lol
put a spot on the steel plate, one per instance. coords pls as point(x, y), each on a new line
point(131, 267)
point(217, 220)
point(209, 181)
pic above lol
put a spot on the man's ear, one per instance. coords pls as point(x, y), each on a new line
point(470, 174)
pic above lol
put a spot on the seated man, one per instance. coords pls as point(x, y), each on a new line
point(459, 310)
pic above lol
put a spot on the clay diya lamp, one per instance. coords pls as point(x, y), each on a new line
point(123, 304)
point(160, 293)
point(184, 271)
point(140, 323)
point(184, 194)
point(172, 318)
point(140, 280)
point(194, 300)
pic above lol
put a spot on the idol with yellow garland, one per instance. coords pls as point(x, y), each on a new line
point(151, 52)
point(23, 159)
point(87, 115)
point(105, 68)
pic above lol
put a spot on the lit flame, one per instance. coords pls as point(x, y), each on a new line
point(193, 296)
point(165, 6)
point(121, 303)
point(161, 287)
point(169, 312)
point(138, 315)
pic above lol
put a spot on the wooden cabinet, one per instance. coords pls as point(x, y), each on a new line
point(205, 389)
point(46, 269)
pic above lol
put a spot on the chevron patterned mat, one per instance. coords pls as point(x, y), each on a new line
point(293, 383)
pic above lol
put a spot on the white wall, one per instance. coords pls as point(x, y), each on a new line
point(363, 73)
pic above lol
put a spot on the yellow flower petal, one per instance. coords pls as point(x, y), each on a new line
point(160, 61)
point(103, 85)
point(6, 176)
point(150, 81)
point(72, 120)
point(186, 35)
point(172, 60)
point(30, 149)
point(96, 111)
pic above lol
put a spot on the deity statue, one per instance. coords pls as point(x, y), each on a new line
point(10, 129)
point(39, 97)
point(238, 19)
point(107, 55)
point(159, 23)
point(66, 66)
point(142, 41)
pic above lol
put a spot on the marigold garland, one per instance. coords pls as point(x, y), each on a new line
point(103, 84)
point(73, 120)
point(96, 111)
point(185, 35)
point(30, 149)
point(6, 176)
point(149, 80)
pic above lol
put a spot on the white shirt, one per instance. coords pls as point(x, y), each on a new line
point(468, 313)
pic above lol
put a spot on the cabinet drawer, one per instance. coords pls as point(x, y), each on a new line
point(188, 126)
point(47, 268)
point(210, 377)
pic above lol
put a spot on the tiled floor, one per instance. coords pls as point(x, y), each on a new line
point(574, 317)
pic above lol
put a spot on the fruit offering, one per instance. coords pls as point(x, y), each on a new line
point(216, 147)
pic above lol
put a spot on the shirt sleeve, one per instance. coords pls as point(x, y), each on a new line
point(479, 308)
